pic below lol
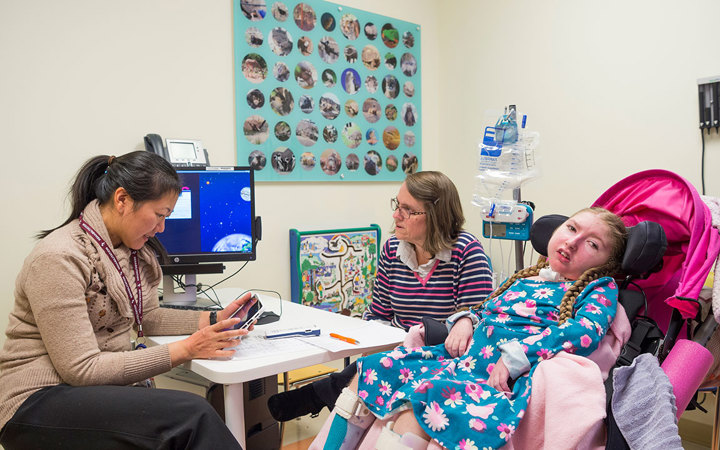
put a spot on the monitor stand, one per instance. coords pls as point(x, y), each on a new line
point(189, 295)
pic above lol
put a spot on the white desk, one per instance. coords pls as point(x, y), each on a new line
point(233, 373)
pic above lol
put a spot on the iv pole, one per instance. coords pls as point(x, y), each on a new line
point(519, 260)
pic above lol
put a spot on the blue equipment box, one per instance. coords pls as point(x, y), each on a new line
point(510, 230)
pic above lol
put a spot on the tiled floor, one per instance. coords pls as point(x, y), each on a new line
point(687, 445)
point(696, 426)
point(299, 433)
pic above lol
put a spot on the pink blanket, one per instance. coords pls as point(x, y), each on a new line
point(567, 404)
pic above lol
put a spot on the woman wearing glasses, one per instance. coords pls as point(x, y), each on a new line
point(429, 267)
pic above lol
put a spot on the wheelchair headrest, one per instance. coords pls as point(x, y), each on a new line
point(645, 247)
point(542, 230)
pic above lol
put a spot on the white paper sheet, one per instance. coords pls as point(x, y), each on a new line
point(257, 346)
point(368, 333)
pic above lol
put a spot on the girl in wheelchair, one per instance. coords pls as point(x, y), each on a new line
point(473, 391)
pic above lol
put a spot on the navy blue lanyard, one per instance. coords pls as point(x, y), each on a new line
point(137, 305)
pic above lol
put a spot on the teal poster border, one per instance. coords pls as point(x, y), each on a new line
point(282, 51)
point(334, 270)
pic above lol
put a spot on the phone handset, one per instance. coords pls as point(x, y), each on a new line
point(154, 143)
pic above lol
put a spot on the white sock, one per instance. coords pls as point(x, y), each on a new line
point(391, 440)
point(356, 428)
point(413, 441)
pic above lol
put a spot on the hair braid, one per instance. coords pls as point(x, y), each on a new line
point(590, 275)
point(524, 273)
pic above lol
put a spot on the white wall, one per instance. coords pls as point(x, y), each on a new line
point(611, 87)
point(86, 77)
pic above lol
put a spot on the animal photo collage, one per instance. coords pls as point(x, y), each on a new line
point(326, 92)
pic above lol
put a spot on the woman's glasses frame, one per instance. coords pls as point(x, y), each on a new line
point(405, 213)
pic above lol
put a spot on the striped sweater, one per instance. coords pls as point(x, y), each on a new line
point(403, 298)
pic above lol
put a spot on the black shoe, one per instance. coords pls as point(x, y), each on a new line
point(294, 403)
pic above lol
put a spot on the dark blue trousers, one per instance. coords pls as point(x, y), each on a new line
point(115, 417)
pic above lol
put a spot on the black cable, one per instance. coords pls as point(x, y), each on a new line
point(646, 311)
point(216, 300)
point(230, 276)
point(204, 291)
point(702, 160)
point(179, 280)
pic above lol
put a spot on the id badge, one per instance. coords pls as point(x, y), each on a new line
point(148, 384)
point(139, 343)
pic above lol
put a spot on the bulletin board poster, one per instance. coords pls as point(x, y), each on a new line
point(334, 270)
point(325, 92)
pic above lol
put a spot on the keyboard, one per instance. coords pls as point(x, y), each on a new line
point(192, 307)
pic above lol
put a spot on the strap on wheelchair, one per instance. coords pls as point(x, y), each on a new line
point(635, 345)
point(645, 338)
point(349, 404)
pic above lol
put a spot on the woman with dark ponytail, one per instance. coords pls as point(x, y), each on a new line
point(472, 391)
point(70, 374)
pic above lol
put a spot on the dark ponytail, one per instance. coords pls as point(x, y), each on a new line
point(144, 175)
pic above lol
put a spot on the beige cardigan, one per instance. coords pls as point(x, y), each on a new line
point(72, 320)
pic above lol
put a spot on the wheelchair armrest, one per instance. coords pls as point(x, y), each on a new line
point(435, 331)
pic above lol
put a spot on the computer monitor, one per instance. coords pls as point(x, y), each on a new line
point(213, 222)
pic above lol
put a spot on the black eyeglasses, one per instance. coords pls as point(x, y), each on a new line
point(405, 213)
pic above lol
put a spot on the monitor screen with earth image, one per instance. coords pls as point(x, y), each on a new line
point(213, 222)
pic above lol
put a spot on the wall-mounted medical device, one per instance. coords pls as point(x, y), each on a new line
point(709, 102)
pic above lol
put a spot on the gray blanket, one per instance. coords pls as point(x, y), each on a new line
point(644, 405)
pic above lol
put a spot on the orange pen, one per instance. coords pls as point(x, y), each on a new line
point(346, 339)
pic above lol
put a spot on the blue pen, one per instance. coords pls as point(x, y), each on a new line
point(293, 332)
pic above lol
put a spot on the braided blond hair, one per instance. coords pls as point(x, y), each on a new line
point(590, 275)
